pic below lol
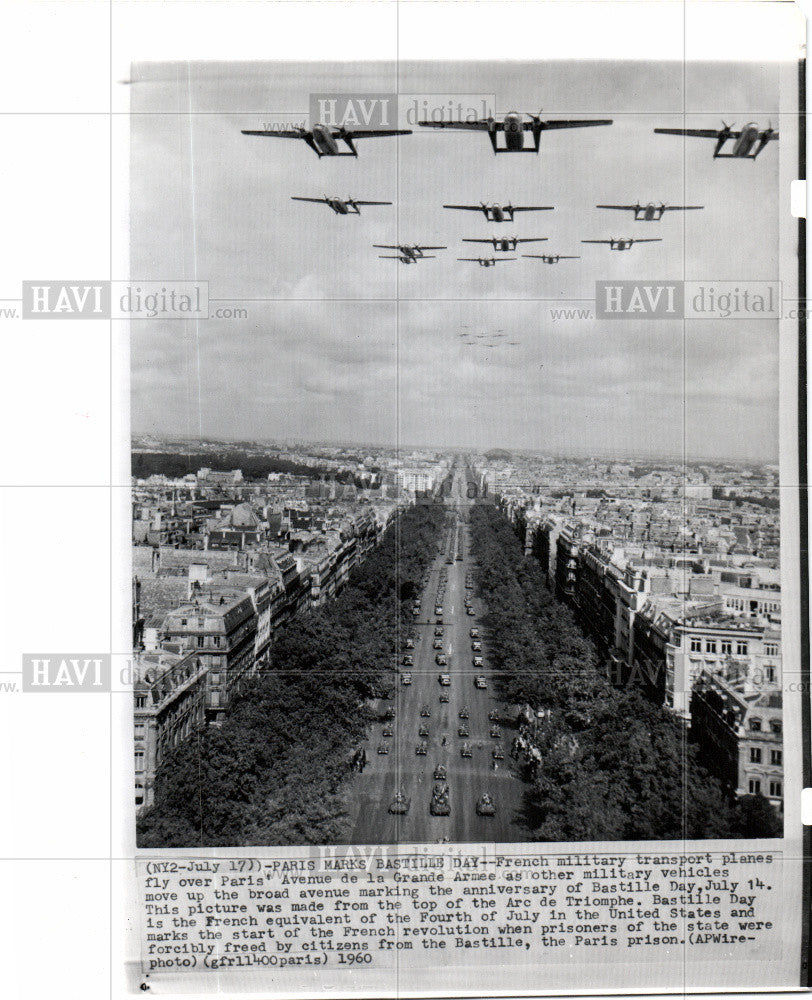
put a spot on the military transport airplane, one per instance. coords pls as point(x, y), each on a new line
point(486, 261)
point(651, 212)
point(624, 243)
point(514, 125)
point(341, 206)
point(405, 258)
point(324, 139)
point(743, 140)
point(500, 213)
point(413, 250)
point(550, 258)
point(507, 243)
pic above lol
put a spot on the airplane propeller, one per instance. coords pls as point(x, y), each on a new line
point(764, 138)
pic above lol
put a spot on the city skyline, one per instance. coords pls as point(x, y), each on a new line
point(271, 443)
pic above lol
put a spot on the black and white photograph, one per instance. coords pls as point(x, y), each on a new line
point(458, 518)
point(405, 521)
point(406, 403)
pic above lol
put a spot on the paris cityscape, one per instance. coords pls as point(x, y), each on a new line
point(338, 644)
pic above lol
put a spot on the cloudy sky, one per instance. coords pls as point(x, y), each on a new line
point(341, 345)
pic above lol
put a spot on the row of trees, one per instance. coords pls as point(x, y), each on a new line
point(613, 765)
point(175, 464)
point(274, 771)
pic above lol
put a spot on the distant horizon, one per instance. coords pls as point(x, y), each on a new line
point(594, 454)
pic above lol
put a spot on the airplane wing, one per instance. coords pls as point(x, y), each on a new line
point(356, 201)
point(653, 239)
point(500, 260)
point(466, 208)
point(481, 125)
point(430, 248)
point(374, 133)
point(622, 208)
point(467, 239)
point(680, 208)
point(571, 123)
point(276, 133)
point(474, 260)
point(596, 241)
point(699, 133)
point(321, 201)
point(533, 239)
point(385, 246)
point(532, 208)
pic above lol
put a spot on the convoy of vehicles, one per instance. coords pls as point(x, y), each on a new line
point(439, 804)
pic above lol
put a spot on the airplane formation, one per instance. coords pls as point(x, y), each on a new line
point(514, 128)
point(474, 340)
